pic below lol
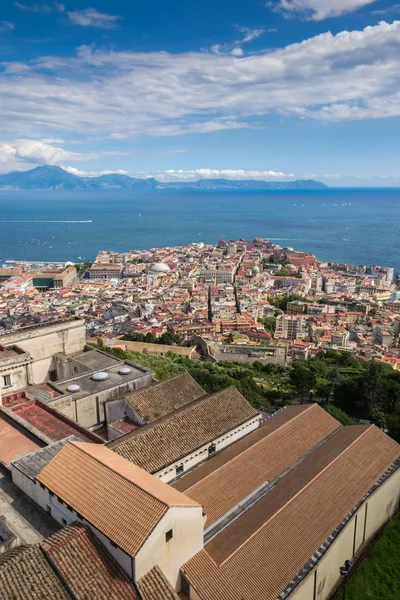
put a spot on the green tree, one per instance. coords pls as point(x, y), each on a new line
point(340, 415)
point(302, 379)
point(269, 324)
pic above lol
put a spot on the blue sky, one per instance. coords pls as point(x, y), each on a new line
point(185, 89)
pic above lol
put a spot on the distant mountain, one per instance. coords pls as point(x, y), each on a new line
point(55, 178)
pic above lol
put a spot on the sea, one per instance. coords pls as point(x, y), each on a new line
point(360, 226)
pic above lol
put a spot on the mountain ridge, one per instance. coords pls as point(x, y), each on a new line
point(50, 177)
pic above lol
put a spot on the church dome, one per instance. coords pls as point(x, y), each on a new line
point(159, 268)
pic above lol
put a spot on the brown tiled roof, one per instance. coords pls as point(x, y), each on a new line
point(86, 567)
point(99, 485)
point(166, 396)
point(226, 455)
point(155, 586)
point(262, 565)
point(262, 462)
point(25, 574)
point(208, 580)
point(186, 430)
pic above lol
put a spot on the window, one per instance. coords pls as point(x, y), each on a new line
point(211, 450)
point(113, 544)
point(169, 535)
point(51, 493)
point(179, 470)
point(64, 522)
point(79, 516)
point(48, 509)
point(185, 587)
point(70, 508)
point(52, 375)
point(59, 499)
point(6, 380)
point(41, 485)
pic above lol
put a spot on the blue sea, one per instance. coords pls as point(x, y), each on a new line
point(360, 226)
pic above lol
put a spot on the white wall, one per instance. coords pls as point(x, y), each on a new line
point(379, 507)
point(42, 342)
point(195, 458)
point(187, 540)
point(59, 511)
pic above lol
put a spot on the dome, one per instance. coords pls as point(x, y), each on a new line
point(256, 269)
point(159, 268)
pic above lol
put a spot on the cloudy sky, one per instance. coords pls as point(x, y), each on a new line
point(189, 89)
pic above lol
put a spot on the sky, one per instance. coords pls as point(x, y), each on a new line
point(191, 89)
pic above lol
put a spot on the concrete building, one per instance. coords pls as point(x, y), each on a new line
point(35, 347)
point(45, 279)
point(105, 271)
point(52, 364)
point(291, 327)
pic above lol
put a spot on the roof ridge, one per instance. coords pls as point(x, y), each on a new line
point(169, 416)
point(58, 539)
point(137, 485)
point(117, 473)
point(299, 492)
point(249, 448)
point(158, 383)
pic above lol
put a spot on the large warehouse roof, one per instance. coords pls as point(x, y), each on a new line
point(227, 486)
point(261, 551)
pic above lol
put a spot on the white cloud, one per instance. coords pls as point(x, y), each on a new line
point(249, 34)
point(234, 48)
point(234, 174)
point(80, 173)
point(348, 76)
point(317, 10)
point(90, 17)
point(6, 26)
point(37, 152)
point(43, 8)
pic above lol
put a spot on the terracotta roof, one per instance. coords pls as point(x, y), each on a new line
point(208, 580)
point(193, 426)
point(262, 462)
point(25, 573)
point(293, 528)
point(155, 586)
point(99, 485)
point(86, 567)
point(226, 455)
point(166, 396)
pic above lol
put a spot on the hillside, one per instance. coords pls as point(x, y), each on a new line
point(54, 178)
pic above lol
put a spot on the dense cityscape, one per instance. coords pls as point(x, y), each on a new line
point(244, 299)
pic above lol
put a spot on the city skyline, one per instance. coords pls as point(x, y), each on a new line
point(274, 90)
